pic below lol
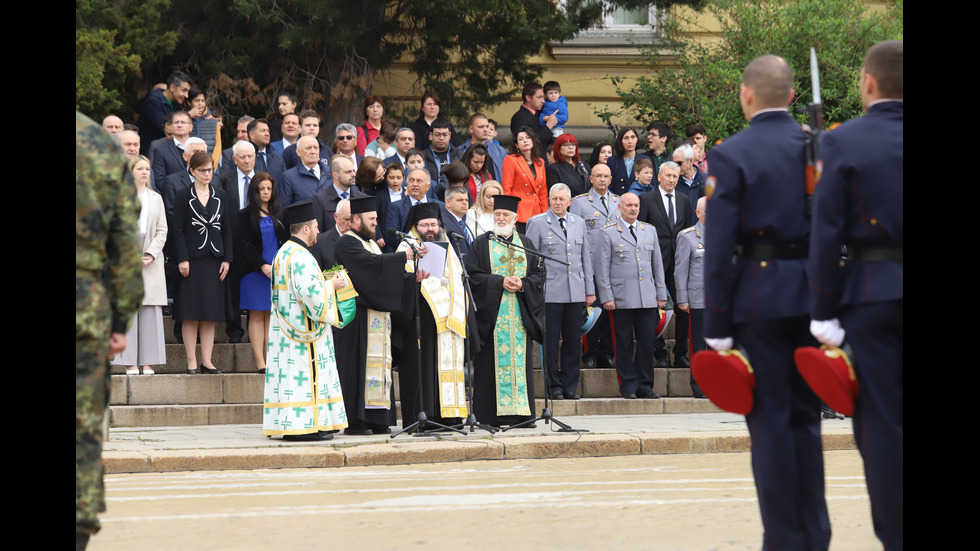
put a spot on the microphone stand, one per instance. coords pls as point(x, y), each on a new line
point(419, 427)
point(546, 414)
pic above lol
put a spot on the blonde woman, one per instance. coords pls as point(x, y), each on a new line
point(145, 337)
point(479, 219)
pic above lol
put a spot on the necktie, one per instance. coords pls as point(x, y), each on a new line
point(604, 206)
point(245, 191)
point(344, 195)
point(670, 209)
point(469, 236)
point(262, 166)
point(313, 173)
point(633, 233)
point(563, 230)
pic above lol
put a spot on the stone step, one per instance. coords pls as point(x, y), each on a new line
point(251, 414)
point(236, 398)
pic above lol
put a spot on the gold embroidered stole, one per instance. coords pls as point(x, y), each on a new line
point(448, 306)
point(377, 373)
point(509, 336)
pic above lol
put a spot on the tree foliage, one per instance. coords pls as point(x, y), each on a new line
point(113, 39)
point(702, 84)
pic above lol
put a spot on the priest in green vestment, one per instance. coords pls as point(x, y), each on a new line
point(507, 289)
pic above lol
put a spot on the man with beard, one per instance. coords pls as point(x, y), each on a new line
point(302, 395)
point(442, 313)
point(364, 346)
point(510, 313)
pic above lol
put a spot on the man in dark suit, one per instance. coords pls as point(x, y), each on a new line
point(346, 137)
point(416, 192)
point(860, 203)
point(306, 179)
point(326, 242)
point(168, 158)
point(404, 142)
point(457, 203)
point(662, 209)
point(235, 182)
point(266, 159)
point(527, 114)
point(325, 201)
point(759, 300)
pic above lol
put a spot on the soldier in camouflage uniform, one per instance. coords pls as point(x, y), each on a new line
point(108, 292)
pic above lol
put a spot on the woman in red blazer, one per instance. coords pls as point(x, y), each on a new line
point(524, 176)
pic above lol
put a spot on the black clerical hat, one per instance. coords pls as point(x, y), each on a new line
point(506, 202)
point(422, 211)
point(299, 212)
point(363, 204)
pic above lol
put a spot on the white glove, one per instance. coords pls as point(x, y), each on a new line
point(720, 345)
point(828, 331)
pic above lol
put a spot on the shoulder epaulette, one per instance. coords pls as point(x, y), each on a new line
point(610, 225)
point(586, 194)
point(687, 230)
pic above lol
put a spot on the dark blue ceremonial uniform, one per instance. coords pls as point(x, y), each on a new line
point(859, 202)
point(759, 200)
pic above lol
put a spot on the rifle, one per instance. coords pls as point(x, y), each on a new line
point(815, 113)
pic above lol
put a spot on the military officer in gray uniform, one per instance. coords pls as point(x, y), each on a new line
point(598, 208)
point(630, 281)
point(561, 234)
point(689, 278)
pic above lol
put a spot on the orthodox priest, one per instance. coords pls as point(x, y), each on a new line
point(442, 316)
point(302, 389)
point(507, 288)
point(364, 346)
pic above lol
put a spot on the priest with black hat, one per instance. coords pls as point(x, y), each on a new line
point(364, 346)
point(507, 289)
point(302, 398)
point(442, 320)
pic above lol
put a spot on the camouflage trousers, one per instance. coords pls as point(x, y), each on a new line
point(92, 379)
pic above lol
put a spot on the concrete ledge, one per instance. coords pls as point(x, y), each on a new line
point(159, 416)
point(234, 414)
point(839, 441)
point(719, 442)
point(243, 389)
point(598, 383)
point(690, 405)
point(125, 462)
point(570, 445)
point(423, 452)
point(176, 389)
point(244, 459)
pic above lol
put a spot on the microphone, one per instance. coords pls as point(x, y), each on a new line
point(456, 236)
point(392, 232)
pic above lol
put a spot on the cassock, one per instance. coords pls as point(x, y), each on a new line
point(364, 345)
point(302, 388)
point(507, 323)
point(442, 317)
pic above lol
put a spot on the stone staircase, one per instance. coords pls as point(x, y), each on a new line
point(173, 398)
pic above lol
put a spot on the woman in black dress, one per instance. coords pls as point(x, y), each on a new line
point(203, 247)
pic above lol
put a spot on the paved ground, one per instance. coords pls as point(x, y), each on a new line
point(664, 502)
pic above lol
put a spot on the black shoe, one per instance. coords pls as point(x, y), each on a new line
point(682, 362)
point(557, 396)
point(262, 371)
point(588, 362)
point(661, 364)
point(649, 396)
point(235, 340)
point(311, 437)
point(604, 360)
point(358, 431)
point(193, 372)
point(700, 395)
point(208, 370)
point(379, 429)
point(630, 396)
point(573, 397)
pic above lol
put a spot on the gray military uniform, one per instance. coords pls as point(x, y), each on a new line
point(689, 266)
point(565, 283)
point(589, 207)
point(630, 272)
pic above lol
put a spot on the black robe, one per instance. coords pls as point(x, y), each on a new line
point(487, 291)
point(381, 284)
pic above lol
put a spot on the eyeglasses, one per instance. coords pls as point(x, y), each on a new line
point(345, 137)
point(427, 226)
point(204, 170)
